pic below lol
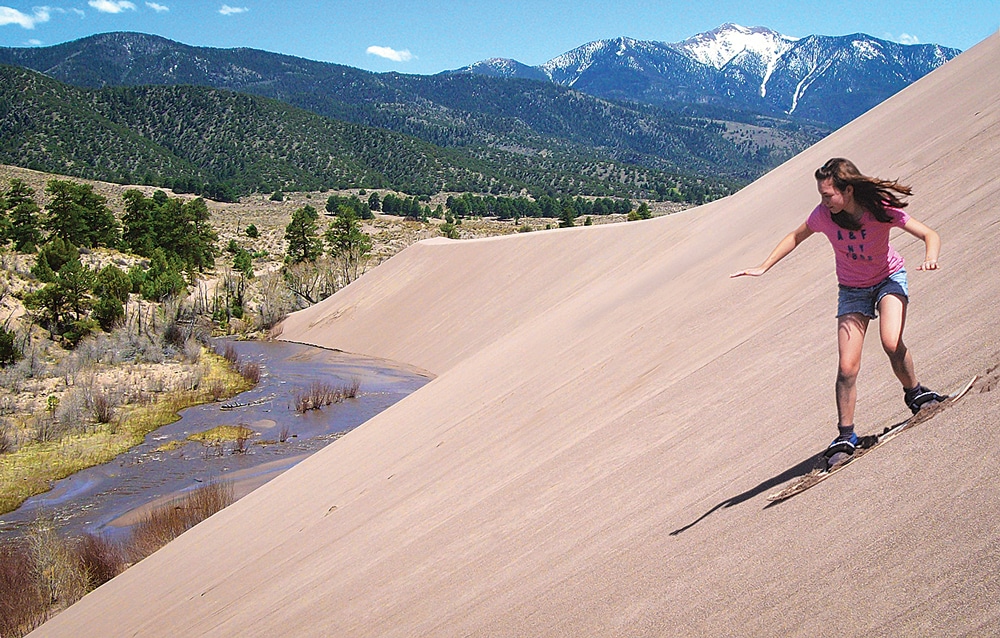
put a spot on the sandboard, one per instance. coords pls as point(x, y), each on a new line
point(803, 483)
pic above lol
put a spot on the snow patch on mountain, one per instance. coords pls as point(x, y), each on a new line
point(749, 46)
point(573, 63)
point(719, 46)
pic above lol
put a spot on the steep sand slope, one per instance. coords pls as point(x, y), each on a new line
point(601, 388)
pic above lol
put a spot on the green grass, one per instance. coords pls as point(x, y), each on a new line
point(35, 466)
point(222, 434)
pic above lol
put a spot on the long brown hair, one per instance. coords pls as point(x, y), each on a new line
point(873, 194)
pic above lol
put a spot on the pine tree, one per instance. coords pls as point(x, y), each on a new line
point(348, 243)
point(302, 235)
point(23, 216)
point(79, 215)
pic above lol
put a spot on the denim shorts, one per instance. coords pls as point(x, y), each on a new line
point(865, 300)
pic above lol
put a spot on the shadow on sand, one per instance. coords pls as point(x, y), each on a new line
point(798, 470)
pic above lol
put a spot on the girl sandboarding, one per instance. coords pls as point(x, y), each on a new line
point(856, 213)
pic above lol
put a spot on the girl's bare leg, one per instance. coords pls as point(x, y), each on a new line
point(892, 320)
point(851, 330)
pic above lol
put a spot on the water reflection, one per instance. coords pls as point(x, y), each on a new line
point(110, 497)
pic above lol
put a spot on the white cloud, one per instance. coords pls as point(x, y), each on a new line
point(159, 8)
point(390, 54)
point(906, 38)
point(112, 6)
point(226, 10)
point(34, 42)
point(13, 16)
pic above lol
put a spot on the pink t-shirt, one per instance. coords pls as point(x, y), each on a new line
point(864, 257)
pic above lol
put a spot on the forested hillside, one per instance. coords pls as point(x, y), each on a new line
point(224, 144)
point(519, 125)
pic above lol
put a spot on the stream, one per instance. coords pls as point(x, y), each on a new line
point(107, 499)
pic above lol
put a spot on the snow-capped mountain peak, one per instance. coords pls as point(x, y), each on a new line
point(579, 59)
point(829, 79)
point(719, 46)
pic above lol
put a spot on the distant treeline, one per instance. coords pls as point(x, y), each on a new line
point(224, 145)
point(470, 205)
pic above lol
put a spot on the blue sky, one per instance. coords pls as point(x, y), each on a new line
point(428, 36)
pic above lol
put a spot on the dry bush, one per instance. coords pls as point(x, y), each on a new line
point(102, 405)
point(42, 573)
point(175, 334)
point(72, 408)
point(133, 391)
point(6, 437)
point(192, 350)
point(69, 368)
point(44, 428)
point(100, 348)
point(34, 363)
point(229, 354)
point(350, 391)
point(320, 394)
point(58, 569)
point(217, 389)
point(101, 559)
point(166, 523)
point(156, 383)
point(284, 433)
point(22, 606)
point(212, 450)
point(149, 351)
point(276, 301)
point(194, 379)
point(251, 372)
point(14, 377)
point(241, 445)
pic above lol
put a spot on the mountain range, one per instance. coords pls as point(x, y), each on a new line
point(516, 133)
point(224, 144)
point(825, 79)
point(695, 119)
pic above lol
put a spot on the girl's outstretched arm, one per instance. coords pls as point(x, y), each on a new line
point(785, 246)
point(932, 243)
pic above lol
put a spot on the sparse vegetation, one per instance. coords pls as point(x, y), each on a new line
point(42, 573)
point(59, 441)
point(320, 394)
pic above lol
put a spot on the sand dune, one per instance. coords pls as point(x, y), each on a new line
point(600, 388)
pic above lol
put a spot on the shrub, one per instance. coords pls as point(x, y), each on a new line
point(251, 372)
point(22, 607)
point(320, 394)
point(136, 276)
point(6, 440)
point(9, 351)
point(449, 230)
point(69, 412)
point(191, 350)
point(252, 232)
point(109, 313)
point(166, 523)
point(103, 405)
point(101, 559)
point(62, 580)
point(77, 330)
point(217, 390)
point(174, 334)
point(229, 354)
